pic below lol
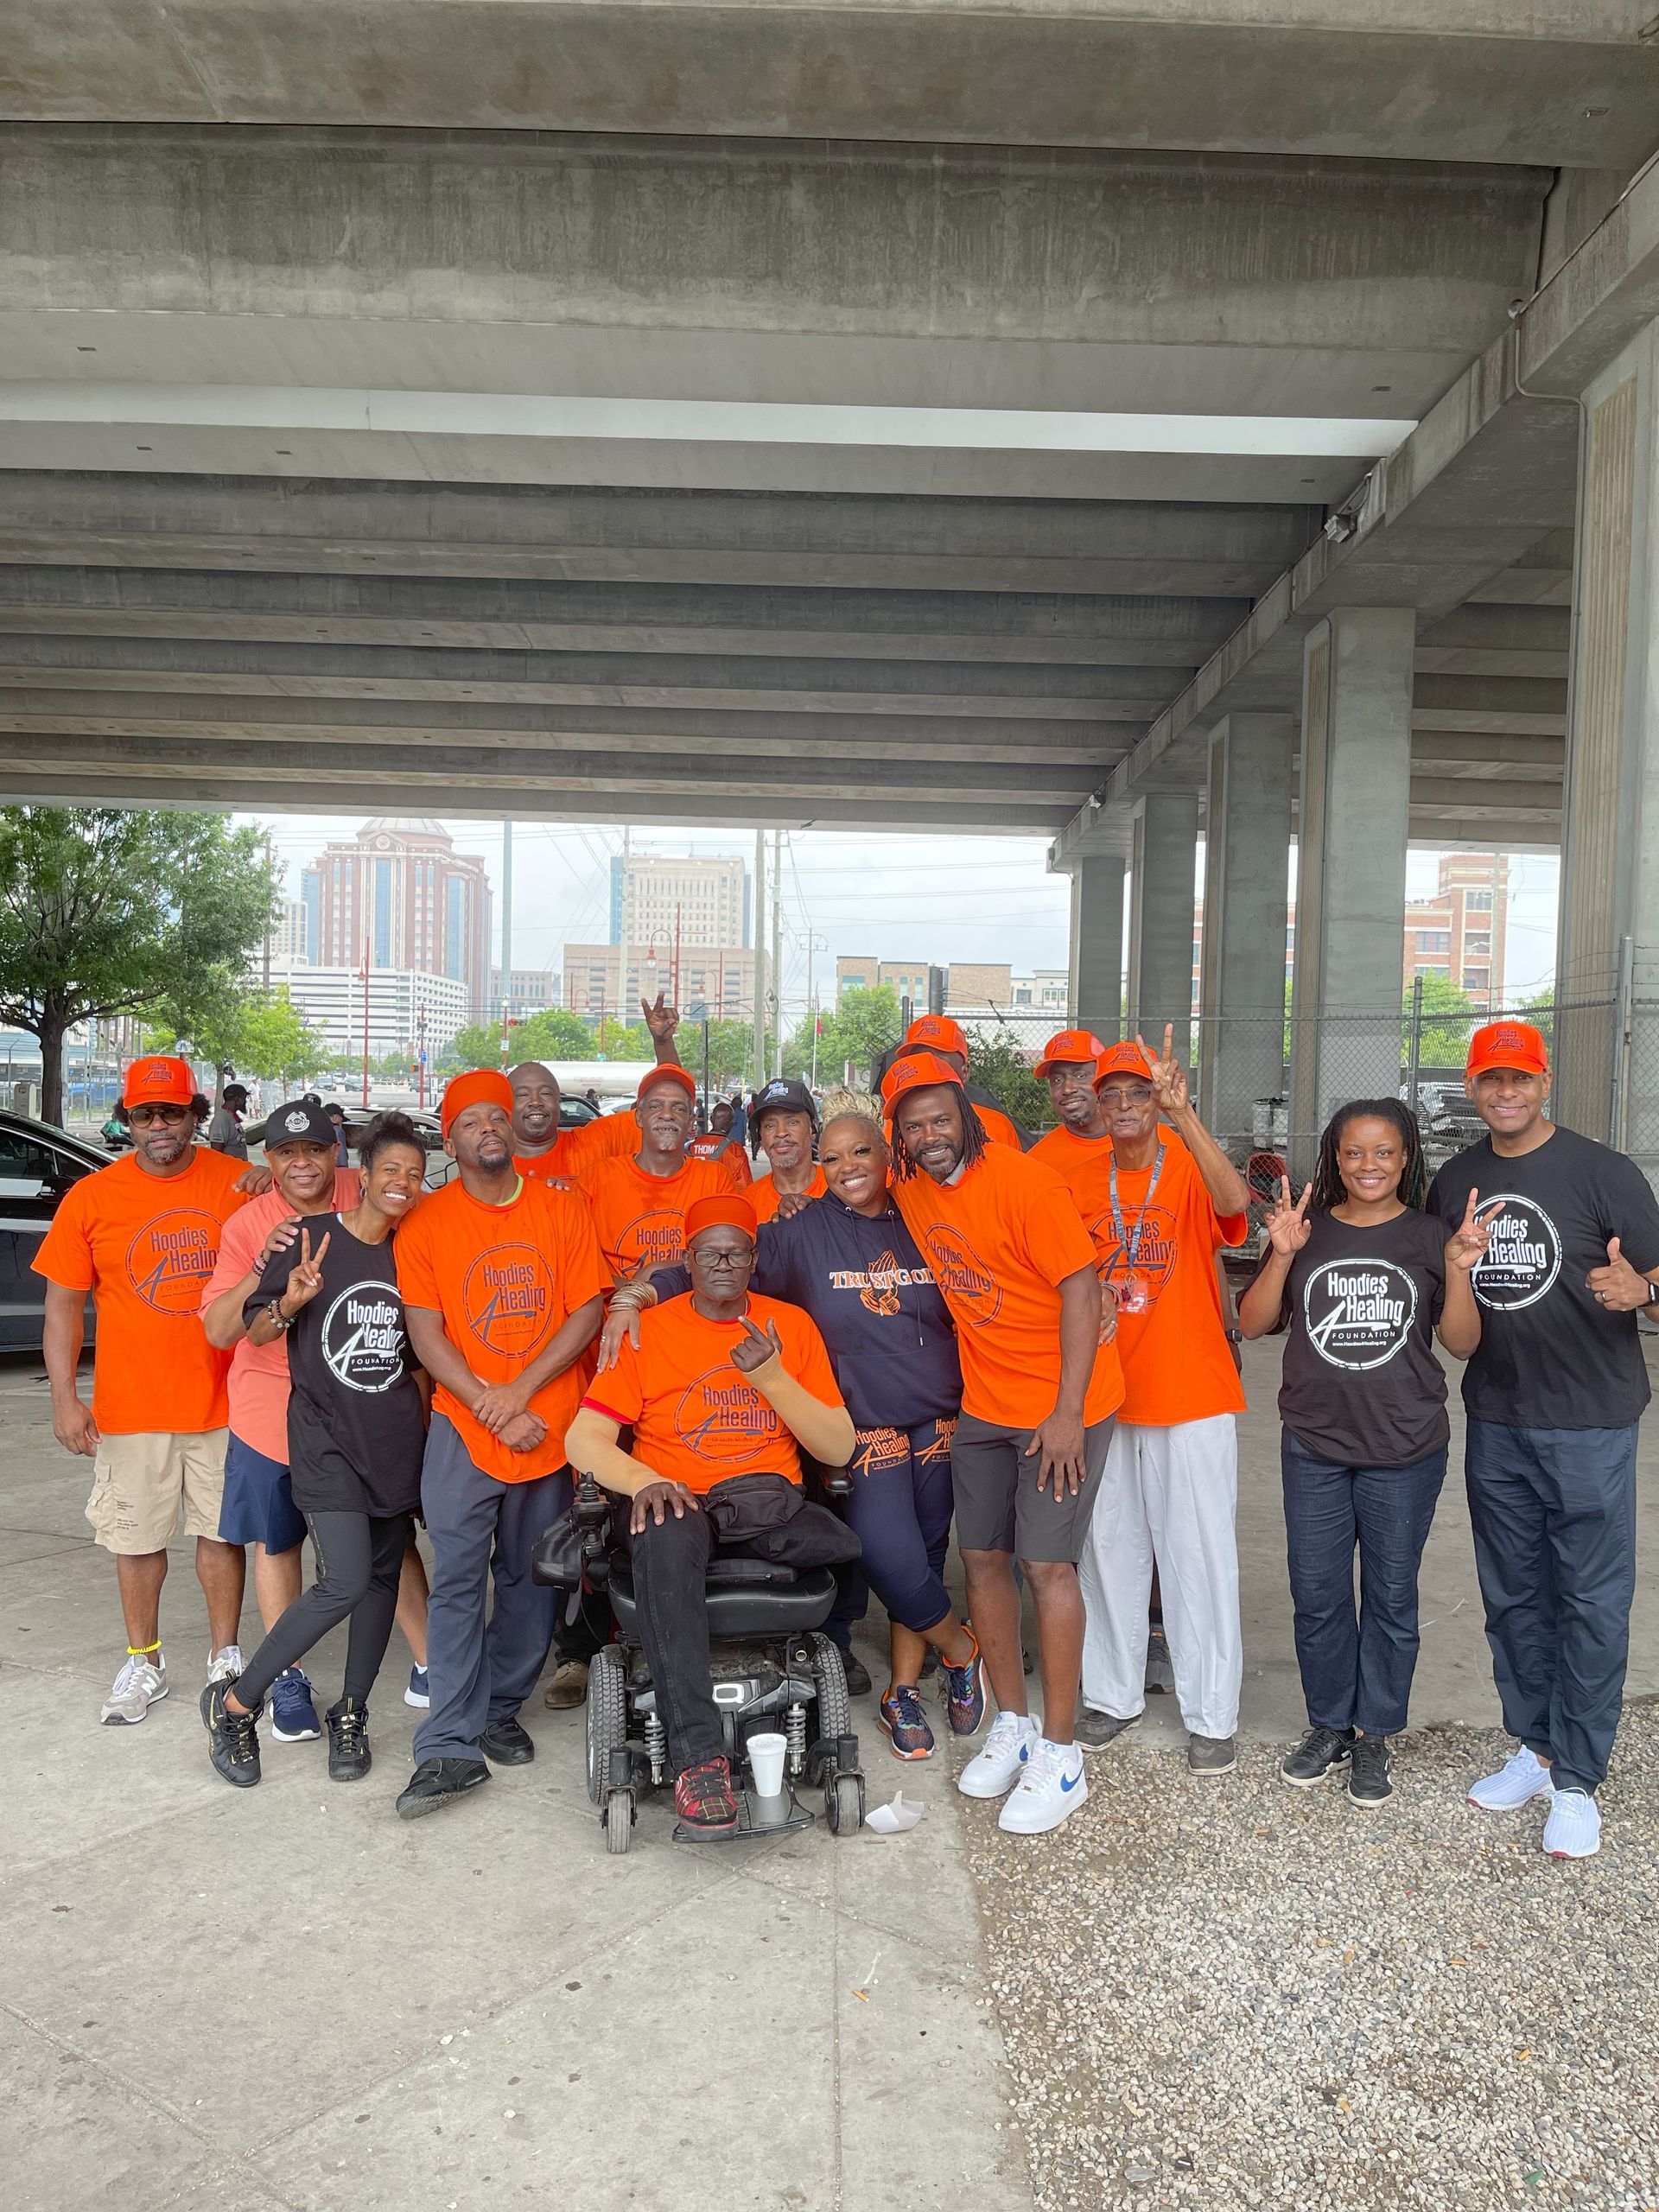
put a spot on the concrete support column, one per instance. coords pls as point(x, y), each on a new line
point(1606, 1042)
point(1350, 890)
point(1095, 994)
point(1246, 878)
point(1163, 857)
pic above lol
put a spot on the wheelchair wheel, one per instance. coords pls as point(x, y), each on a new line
point(843, 1803)
point(619, 1821)
point(834, 1707)
point(607, 1716)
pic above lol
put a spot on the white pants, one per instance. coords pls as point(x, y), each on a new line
point(1169, 1494)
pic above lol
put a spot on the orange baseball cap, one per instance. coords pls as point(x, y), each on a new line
point(721, 1212)
point(480, 1086)
point(159, 1081)
point(1066, 1050)
point(1507, 1045)
point(915, 1071)
point(938, 1034)
point(669, 1073)
point(1127, 1059)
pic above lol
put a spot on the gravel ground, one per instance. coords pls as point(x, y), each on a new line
point(1229, 1993)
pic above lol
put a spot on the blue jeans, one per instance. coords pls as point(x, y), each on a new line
point(1554, 1515)
point(1356, 1666)
point(483, 1532)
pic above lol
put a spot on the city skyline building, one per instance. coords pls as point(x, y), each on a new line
point(399, 895)
point(702, 897)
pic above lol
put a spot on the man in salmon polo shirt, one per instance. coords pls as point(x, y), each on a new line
point(725, 1384)
point(1160, 1199)
point(1039, 1389)
point(503, 1283)
point(640, 1200)
point(142, 1235)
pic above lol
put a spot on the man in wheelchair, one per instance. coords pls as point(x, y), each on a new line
point(723, 1389)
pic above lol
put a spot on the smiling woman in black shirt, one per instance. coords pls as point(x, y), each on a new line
point(1362, 1285)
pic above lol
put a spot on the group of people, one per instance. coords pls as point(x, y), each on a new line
point(1034, 1346)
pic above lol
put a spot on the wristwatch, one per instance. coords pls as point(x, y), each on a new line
point(276, 1316)
point(1653, 1291)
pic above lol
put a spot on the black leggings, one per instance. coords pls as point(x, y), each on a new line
point(359, 1558)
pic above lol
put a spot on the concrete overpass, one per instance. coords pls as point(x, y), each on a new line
point(1056, 417)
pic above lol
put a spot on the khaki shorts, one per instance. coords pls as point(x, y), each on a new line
point(141, 1482)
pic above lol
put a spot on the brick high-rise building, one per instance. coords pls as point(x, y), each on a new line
point(401, 887)
point(1460, 933)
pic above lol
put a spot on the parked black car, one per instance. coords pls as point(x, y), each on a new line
point(38, 1164)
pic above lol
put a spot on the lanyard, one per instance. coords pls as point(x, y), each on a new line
point(1131, 1245)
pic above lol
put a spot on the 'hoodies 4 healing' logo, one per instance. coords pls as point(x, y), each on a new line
point(1359, 1312)
point(1524, 1257)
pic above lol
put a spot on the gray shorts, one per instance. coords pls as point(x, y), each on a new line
point(999, 1506)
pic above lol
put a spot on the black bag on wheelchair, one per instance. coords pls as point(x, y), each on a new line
point(770, 1517)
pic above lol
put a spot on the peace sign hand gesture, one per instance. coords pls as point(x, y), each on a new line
point(1469, 1241)
point(1169, 1076)
point(1288, 1226)
point(756, 1349)
point(306, 1280)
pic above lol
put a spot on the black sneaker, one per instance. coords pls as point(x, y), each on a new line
point(857, 1673)
point(233, 1739)
point(507, 1743)
point(1368, 1771)
point(439, 1781)
point(1320, 1751)
point(349, 1756)
point(1094, 1731)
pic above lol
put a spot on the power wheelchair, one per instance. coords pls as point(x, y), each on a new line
point(773, 1669)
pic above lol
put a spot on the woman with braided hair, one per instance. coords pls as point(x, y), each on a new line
point(1360, 1281)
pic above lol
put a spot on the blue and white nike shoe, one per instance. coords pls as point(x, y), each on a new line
point(1002, 1757)
point(1049, 1791)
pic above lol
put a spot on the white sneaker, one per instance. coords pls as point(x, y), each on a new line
point(996, 1766)
point(1574, 1828)
point(1525, 1777)
point(225, 1666)
point(1049, 1791)
point(140, 1684)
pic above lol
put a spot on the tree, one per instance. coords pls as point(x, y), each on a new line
point(478, 1045)
point(556, 1033)
point(623, 1040)
point(272, 1040)
point(1448, 1015)
point(998, 1065)
point(863, 1027)
point(110, 909)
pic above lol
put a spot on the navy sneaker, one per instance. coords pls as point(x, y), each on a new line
point(900, 1719)
point(419, 1692)
point(293, 1716)
point(964, 1693)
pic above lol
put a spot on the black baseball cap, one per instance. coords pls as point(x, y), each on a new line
point(785, 1094)
point(301, 1121)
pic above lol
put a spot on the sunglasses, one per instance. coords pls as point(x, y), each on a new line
point(142, 1117)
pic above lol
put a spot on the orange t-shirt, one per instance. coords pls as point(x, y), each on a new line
point(726, 1152)
point(697, 1419)
point(504, 1279)
point(146, 1246)
point(573, 1152)
point(1177, 1364)
point(258, 1381)
point(1001, 1241)
point(640, 1218)
point(765, 1193)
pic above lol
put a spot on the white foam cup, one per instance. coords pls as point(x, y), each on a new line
point(766, 1764)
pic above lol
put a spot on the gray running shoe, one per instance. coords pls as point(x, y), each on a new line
point(1094, 1731)
point(1160, 1668)
point(140, 1683)
point(1211, 1754)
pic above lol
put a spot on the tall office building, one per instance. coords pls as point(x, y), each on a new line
point(706, 898)
point(1460, 933)
point(400, 888)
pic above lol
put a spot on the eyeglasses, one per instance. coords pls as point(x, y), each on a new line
point(1137, 1095)
point(142, 1117)
point(725, 1258)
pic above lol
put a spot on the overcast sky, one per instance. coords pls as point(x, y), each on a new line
point(902, 896)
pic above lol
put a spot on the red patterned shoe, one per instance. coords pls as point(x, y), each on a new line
point(703, 1798)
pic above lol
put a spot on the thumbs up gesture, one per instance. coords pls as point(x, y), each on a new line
point(1618, 1288)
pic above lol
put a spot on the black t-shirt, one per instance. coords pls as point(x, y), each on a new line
point(356, 1434)
point(1362, 1386)
point(1550, 1356)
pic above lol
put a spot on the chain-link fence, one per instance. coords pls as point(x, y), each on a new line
point(1265, 1084)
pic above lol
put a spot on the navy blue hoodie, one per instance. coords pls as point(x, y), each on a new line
point(874, 1301)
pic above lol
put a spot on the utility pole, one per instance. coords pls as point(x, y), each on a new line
point(506, 922)
point(365, 1019)
point(759, 958)
point(777, 952)
point(271, 862)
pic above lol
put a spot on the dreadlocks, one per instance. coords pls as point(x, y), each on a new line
point(1329, 1189)
point(974, 1139)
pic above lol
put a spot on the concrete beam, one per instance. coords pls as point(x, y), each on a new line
point(672, 538)
point(1554, 83)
